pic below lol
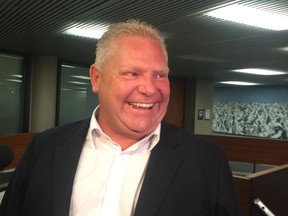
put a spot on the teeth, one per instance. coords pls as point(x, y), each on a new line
point(142, 105)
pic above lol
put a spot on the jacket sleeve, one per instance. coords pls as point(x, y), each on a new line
point(227, 200)
point(13, 199)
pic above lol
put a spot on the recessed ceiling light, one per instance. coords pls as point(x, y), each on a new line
point(258, 71)
point(239, 83)
point(251, 16)
point(87, 30)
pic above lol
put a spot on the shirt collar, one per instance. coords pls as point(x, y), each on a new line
point(96, 133)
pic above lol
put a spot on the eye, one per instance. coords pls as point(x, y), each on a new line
point(130, 75)
point(161, 75)
point(133, 74)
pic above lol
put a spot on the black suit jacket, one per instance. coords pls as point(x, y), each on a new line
point(185, 176)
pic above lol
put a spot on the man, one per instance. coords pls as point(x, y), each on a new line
point(125, 160)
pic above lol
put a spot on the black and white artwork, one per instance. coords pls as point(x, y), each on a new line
point(269, 120)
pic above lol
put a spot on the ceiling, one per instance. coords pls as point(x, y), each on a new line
point(198, 46)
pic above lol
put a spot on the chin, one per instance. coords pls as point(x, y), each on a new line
point(146, 130)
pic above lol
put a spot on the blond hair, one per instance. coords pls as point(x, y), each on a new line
point(106, 44)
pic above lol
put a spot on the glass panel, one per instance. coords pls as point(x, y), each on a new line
point(77, 101)
point(245, 168)
point(241, 168)
point(11, 94)
point(261, 167)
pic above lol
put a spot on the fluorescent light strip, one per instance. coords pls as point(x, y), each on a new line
point(65, 89)
point(14, 80)
point(80, 83)
point(251, 16)
point(81, 77)
point(83, 89)
point(16, 75)
point(257, 71)
point(11, 56)
point(239, 83)
point(88, 31)
point(68, 66)
point(284, 49)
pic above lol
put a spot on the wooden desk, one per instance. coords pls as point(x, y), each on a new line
point(270, 185)
point(18, 144)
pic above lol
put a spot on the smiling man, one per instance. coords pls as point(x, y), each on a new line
point(125, 160)
point(133, 88)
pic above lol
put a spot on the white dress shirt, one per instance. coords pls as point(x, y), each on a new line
point(108, 180)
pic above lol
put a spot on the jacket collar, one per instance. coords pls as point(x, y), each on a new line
point(66, 158)
point(162, 167)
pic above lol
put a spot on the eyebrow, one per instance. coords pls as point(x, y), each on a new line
point(139, 69)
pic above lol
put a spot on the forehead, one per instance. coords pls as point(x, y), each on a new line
point(137, 41)
point(143, 49)
point(136, 51)
point(137, 45)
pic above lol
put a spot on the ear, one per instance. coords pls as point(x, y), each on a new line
point(94, 77)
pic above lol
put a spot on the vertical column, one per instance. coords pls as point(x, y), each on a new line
point(190, 100)
point(204, 101)
point(43, 93)
point(199, 96)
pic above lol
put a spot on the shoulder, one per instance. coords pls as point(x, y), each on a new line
point(194, 151)
point(56, 134)
point(187, 142)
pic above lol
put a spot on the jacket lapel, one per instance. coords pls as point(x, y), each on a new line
point(65, 165)
point(162, 167)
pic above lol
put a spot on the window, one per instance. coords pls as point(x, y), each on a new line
point(11, 93)
point(76, 99)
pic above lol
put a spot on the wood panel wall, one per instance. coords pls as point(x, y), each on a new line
point(18, 144)
point(175, 111)
point(253, 150)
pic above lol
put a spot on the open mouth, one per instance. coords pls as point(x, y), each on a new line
point(141, 105)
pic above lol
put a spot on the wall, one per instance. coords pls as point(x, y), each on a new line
point(190, 98)
point(198, 95)
point(43, 93)
point(268, 94)
point(175, 110)
point(204, 100)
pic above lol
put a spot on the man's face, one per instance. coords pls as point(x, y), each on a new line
point(133, 88)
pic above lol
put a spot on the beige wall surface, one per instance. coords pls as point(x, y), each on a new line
point(43, 93)
point(203, 101)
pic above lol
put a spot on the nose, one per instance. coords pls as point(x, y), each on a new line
point(147, 86)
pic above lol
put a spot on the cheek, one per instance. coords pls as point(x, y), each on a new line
point(116, 91)
point(165, 90)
